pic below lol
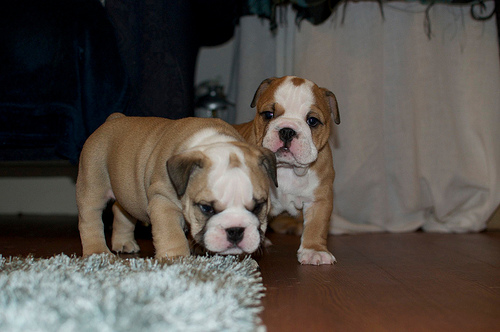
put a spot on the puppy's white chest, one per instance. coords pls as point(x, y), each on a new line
point(293, 191)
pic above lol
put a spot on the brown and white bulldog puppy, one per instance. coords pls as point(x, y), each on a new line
point(190, 176)
point(294, 121)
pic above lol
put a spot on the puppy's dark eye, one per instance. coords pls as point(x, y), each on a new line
point(267, 115)
point(206, 209)
point(313, 122)
point(258, 208)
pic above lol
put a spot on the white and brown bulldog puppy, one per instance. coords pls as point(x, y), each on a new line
point(193, 176)
point(294, 121)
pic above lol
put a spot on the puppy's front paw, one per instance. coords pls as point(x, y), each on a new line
point(173, 253)
point(313, 257)
point(128, 247)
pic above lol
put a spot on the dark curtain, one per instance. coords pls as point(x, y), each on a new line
point(60, 77)
point(159, 42)
point(67, 64)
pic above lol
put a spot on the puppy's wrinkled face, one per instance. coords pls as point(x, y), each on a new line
point(293, 119)
point(227, 197)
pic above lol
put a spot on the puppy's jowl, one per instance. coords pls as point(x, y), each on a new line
point(293, 120)
point(194, 176)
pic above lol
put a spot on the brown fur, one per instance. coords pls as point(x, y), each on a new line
point(315, 231)
point(126, 159)
point(298, 81)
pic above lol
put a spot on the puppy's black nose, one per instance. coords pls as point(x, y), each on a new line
point(287, 134)
point(235, 234)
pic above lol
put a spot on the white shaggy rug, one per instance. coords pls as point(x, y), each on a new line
point(220, 293)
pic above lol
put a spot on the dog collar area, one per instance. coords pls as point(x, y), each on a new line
point(300, 171)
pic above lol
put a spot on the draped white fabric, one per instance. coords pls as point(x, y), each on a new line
point(419, 142)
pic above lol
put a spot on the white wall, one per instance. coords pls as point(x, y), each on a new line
point(37, 195)
point(215, 63)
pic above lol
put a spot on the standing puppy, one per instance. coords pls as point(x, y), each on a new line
point(195, 176)
point(293, 120)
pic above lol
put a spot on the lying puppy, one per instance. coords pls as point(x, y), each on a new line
point(196, 175)
point(293, 120)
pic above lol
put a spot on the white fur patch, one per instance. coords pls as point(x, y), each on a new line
point(216, 236)
point(293, 192)
point(233, 190)
point(313, 257)
point(297, 102)
point(206, 137)
point(231, 185)
point(295, 98)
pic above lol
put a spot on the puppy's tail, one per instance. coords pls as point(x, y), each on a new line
point(115, 116)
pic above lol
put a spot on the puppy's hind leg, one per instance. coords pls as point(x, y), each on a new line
point(90, 225)
point(122, 239)
point(93, 191)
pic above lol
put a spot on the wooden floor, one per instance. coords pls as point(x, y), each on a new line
point(382, 282)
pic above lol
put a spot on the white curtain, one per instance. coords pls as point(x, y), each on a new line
point(419, 142)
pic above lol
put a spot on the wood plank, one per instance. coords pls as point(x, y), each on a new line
point(382, 282)
point(386, 282)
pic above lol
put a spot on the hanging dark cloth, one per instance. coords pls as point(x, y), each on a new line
point(60, 77)
point(159, 42)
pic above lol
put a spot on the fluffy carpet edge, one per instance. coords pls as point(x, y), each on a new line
point(102, 293)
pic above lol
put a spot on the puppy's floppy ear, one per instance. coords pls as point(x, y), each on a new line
point(262, 87)
point(332, 103)
point(181, 166)
point(268, 162)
